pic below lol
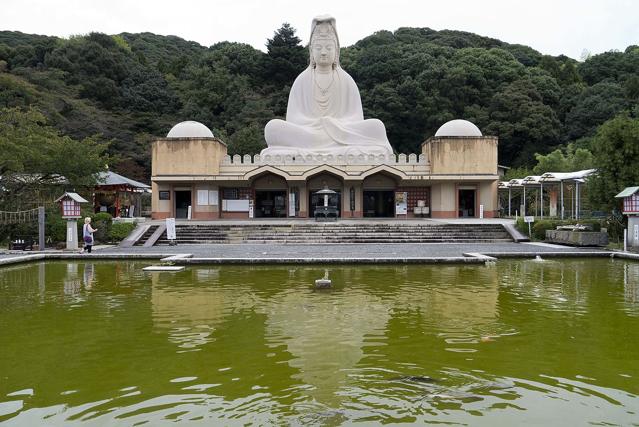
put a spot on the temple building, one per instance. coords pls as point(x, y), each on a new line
point(325, 160)
point(454, 176)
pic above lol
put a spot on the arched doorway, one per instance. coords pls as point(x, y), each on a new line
point(270, 196)
point(379, 196)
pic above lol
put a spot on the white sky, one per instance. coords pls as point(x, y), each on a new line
point(550, 26)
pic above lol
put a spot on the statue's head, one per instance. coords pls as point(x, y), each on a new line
point(324, 44)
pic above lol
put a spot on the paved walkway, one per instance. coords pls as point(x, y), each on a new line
point(350, 250)
point(329, 253)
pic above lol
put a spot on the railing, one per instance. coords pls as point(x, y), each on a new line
point(320, 159)
point(18, 217)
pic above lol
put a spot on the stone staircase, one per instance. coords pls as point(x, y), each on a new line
point(318, 233)
point(148, 233)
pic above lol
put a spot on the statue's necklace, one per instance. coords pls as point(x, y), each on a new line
point(323, 90)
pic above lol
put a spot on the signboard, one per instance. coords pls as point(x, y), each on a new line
point(529, 220)
point(352, 197)
point(291, 204)
point(401, 203)
point(170, 229)
point(636, 239)
point(235, 205)
point(202, 197)
point(251, 210)
point(481, 211)
point(207, 197)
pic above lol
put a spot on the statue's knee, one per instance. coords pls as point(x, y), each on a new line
point(272, 129)
point(376, 127)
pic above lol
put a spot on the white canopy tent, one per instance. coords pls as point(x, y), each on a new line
point(549, 178)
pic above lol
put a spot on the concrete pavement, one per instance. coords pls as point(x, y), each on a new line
point(314, 254)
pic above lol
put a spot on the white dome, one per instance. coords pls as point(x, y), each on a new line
point(458, 127)
point(190, 129)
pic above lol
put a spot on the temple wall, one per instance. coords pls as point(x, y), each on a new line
point(379, 181)
point(461, 155)
point(270, 182)
point(187, 156)
point(160, 208)
point(318, 182)
point(488, 198)
point(444, 200)
point(446, 165)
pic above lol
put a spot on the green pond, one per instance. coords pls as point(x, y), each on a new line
point(513, 342)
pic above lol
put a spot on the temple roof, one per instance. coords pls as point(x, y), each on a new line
point(112, 178)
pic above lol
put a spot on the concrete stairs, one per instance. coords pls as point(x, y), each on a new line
point(147, 234)
point(318, 233)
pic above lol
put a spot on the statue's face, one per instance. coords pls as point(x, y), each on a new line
point(324, 51)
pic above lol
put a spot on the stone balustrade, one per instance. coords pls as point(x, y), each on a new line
point(321, 159)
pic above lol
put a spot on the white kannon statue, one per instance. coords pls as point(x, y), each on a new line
point(324, 114)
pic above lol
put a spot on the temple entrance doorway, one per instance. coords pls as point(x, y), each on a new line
point(379, 203)
point(270, 204)
point(182, 203)
point(466, 203)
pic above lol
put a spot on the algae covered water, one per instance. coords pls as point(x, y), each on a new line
point(94, 344)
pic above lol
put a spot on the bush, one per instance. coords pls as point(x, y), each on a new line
point(102, 221)
point(120, 230)
point(55, 228)
point(539, 227)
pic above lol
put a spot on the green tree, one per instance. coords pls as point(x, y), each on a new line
point(593, 107)
point(615, 149)
point(285, 57)
point(522, 121)
point(247, 140)
point(33, 155)
point(565, 159)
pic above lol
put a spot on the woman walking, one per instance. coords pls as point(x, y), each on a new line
point(87, 235)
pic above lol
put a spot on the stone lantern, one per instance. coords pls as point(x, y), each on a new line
point(325, 211)
point(70, 210)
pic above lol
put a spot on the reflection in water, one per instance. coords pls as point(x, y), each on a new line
point(106, 344)
point(88, 275)
point(192, 314)
point(325, 333)
point(454, 301)
point(631, 284)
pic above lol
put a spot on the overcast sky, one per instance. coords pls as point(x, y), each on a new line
point(550, 26)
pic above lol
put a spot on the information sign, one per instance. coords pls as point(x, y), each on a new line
point(170, 229)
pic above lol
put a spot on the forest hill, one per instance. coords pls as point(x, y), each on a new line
point(131, 87)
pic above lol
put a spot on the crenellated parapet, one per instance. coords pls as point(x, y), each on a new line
point(322, 159)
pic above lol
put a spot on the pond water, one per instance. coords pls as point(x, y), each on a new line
point(93, 344)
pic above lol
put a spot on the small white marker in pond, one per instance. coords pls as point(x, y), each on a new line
point(163, 268)
point(324, 282)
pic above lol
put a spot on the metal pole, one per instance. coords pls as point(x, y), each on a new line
point(572, 203)
point(577, 200)
point(41, 228)
point(524, 212)
point(509, 201)
point(541, 199)
point(561, 186)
